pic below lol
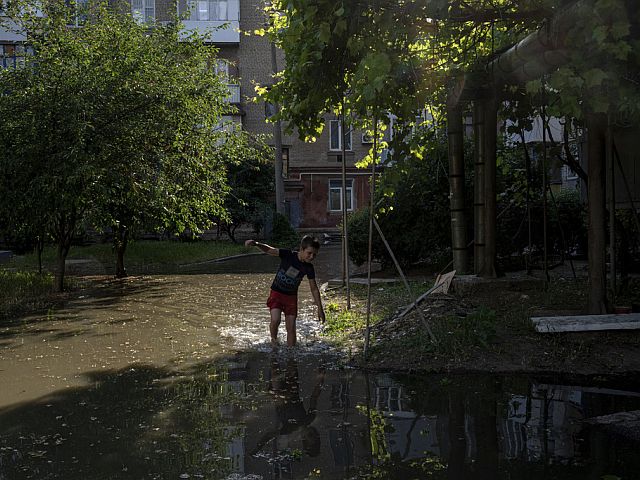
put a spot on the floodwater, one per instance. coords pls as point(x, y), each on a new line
point(172, 377)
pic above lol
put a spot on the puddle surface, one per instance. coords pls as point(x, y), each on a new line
point(170, 377)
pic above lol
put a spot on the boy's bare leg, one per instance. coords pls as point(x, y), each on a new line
point(276, 316)
point(290, 322)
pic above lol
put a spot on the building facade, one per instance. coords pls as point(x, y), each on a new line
point(312, 171)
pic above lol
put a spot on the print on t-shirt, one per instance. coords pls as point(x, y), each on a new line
point(291, 272)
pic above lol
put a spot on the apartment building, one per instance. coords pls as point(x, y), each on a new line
point(312, 171)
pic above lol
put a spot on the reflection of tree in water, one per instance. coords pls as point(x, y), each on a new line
point(132, 423)
point(295, 435)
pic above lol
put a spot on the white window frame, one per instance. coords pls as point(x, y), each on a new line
point(14, 55)
point(337, 124)
point(221, 68)
point(80, 11)
point(209, 10)
point(335, 185)
point(143, 11)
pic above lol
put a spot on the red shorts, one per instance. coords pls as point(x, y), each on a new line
point(287, 303)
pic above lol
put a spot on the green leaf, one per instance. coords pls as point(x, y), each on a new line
point(324, 32)
point(595, 77)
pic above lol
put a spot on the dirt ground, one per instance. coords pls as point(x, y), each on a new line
point(514, 346)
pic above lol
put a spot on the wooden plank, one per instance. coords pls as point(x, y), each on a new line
point(586, 323)
point(441, 285)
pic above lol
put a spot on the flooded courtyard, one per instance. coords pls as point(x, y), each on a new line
point(172, 377)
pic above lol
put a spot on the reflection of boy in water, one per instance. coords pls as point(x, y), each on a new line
point(294, 419)
point(290, 407)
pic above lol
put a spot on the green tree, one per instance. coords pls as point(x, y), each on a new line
point(250, 175)
point(111, 125)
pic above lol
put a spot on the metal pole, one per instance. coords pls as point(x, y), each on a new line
point(544, 193)
point(612, 208)
point(370, 252)
point(404, 280)
point(456, 188)
point(345, 233)
point(490, 165)
point(478, 186)
point(277, 138)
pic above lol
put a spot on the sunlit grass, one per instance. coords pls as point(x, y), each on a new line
point(22, 291)
point(386, 298)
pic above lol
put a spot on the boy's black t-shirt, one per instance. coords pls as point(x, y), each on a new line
point(291, 272)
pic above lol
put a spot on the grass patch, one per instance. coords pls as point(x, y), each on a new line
point(455, 337)
point(140, 253)
point(385, 300)
point(21, 292)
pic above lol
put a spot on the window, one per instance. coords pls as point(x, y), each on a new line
point(335, 134)
point(221, 69)
point(206, 10)
point(335, 195)
point(79, 12)
point(285, 162)
point(144, 11)
point(13, 55)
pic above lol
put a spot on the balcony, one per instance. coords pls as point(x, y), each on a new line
point(234, 93)
point(9, 32)
point(217, 20)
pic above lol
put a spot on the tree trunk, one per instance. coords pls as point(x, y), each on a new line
point(120, 240)
point(39, 249)
point(64, 244)
point(596, 129)
point(64, 234)
point(456, 185)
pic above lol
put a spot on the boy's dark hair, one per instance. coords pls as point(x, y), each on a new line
point(309, 241)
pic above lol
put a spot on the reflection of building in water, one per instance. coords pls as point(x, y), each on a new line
point(411, 434)
point(541, 426)
point(553, 421)
point(305, 419)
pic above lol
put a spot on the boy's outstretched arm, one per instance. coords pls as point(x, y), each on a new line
point(268, 249)
point(316, 297)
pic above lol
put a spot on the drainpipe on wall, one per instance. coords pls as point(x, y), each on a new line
point(456, 188)
point(277, 138)
point(478, 186)
point(490, 106)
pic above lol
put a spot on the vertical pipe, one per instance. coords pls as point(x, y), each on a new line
point(597, 228)
point(544, 195)
point(478, 186)
point(345, 230)
point(490, 216)
point(374, 160)
point(277, 138)
point(612, 208)
point(456, 188)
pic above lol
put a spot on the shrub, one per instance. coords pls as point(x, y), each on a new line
point(283, 233)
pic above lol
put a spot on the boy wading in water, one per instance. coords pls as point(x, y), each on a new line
point(284, 289)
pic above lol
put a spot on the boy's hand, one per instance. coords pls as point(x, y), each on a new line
point(321, 316)
point(250, 243)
